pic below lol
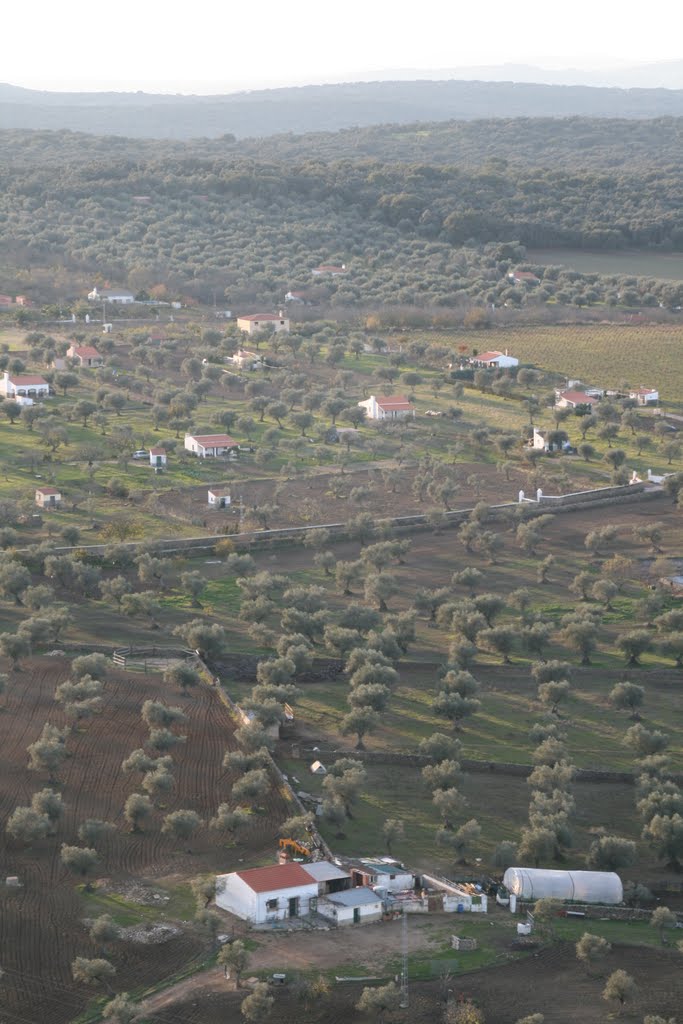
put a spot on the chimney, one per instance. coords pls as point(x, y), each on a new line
point(506, 352)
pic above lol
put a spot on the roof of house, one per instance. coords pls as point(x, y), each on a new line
point(261, 316)
point(524, 275)
point(323, 871)
point(488, 357)
point(214, 440)
point(643, 391)
point(578, 397)
point(85, 351)
point(358, 897)
point(48, 490)
point(330, 267)
point(244, 353)
point(21, 379)
point(393, 402)
point(276, 876)
point(157, 451)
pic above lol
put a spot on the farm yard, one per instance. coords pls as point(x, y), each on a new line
point(551, 982)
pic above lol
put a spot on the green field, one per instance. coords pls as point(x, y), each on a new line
point(665, 266)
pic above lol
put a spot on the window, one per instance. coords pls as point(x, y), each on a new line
point(271, 904)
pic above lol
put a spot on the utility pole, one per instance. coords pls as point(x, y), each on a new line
point(404, 1001)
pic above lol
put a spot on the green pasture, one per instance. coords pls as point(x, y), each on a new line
point(662, 265)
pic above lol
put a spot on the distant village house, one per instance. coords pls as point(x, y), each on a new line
point(85, 355)
point(119, 296)
point(209, 445)
point(255, 322)
point(28, 385)
point(48, 497)
point(329, 270)
point(387, 407)
point(495, 359)
point(246, 360)
point(644, 396)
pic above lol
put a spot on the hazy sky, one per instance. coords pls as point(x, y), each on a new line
point(213, 45)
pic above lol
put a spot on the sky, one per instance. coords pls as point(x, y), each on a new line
point(221, 45)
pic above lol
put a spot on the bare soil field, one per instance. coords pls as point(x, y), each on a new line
point(41, 928)
point(551, 982)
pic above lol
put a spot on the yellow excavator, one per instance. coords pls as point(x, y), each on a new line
point(292, 848)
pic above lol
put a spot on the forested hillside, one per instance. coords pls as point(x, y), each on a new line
point(321, 107)
point(232, 217)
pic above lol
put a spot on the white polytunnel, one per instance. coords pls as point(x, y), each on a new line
point(578, 886)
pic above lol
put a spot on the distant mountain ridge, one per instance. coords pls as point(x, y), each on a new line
point(321, 107)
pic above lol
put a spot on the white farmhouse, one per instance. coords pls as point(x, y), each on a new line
point(256, 322)
point(274, 893)
point(644, 396)
point(500, 360)
point(387, 407)
point(158, 458)
point(209, 445)
point(27, 385)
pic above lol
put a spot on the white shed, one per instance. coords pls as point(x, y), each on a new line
point(351, 906)
point(219, 499)
point(318, 768)
point(577, 886)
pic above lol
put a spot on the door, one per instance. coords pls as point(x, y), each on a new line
point(294, 906)
point(356, 915)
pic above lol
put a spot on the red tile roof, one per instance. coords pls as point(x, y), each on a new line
point(261, 316)
point(331, 268)
point(487, 357)
point(214, 440)
point(643, 391)
point(157, 451)
point(85, 351)
point(21, 380)
point(277, 876)
point(48, 490)
point(578, 397)
point(393, 402)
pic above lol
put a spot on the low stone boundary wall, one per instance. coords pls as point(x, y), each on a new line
point(306, 753)
point(274, 538)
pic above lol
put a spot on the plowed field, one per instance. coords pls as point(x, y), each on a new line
point(41, 928)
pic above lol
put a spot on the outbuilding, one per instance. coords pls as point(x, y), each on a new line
point(351, 906)
point(158, 458)
point(48, 497)
point(218, 498)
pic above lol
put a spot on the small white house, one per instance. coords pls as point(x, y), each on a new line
point(256, 322)
point(219, 499)
point(318, 768)
point(644, 396)
point(245, 360)
point(119, 296)
point(158, 457)
point(209, 445)
point(48, 497)
point(27, 385)
point(387, 407)
point(575, 399)
point(85, 355)
point(262, 895)
point(495, 359)
point(351, 906)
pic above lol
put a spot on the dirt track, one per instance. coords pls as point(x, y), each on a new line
point(552, 982)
